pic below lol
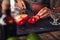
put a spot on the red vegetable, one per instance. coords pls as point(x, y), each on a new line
point(34, 19)
point(21, 19)
point(20, 22)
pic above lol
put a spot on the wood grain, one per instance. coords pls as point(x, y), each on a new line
point(46, 36)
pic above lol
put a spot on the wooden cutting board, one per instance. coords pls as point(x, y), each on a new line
point(46, 36)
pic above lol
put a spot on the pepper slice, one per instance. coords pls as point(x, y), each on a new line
point(34, 19)
point(21, 19)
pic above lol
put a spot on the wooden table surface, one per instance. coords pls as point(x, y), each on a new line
point(46, 36)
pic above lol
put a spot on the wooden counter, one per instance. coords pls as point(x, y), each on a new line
point(46, 36)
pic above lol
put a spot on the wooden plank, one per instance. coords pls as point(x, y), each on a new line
point(46, 36)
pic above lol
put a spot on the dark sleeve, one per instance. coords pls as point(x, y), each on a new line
point(27, 4)
point(46, 2)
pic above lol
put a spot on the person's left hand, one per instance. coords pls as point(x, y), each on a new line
point(44, 13)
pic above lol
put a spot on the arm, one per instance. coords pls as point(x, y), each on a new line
point(5, 5)
point(21, 4)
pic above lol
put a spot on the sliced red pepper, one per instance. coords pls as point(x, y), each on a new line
point(34, 19)
point(22, 21)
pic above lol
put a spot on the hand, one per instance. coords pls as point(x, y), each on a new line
point(43, 13)
point(46, 13)
point(21, 4)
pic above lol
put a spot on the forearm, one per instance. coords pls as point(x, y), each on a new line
point(5, 4)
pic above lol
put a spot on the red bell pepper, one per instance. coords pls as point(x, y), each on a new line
point(21, 19)
point(34, 19)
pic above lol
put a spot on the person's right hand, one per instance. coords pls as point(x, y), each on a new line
point(21, 4)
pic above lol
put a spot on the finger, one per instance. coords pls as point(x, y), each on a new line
point(24, 6)
point(19, 4)
point(42, 11)
point(45, 15)
point(45, 8)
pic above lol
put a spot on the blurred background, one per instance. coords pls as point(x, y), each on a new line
point(9, 31)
